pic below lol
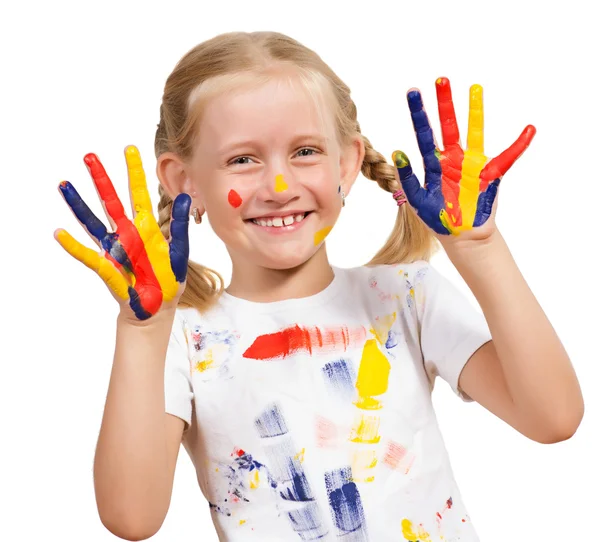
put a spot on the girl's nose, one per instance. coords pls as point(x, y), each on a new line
point(278, 187)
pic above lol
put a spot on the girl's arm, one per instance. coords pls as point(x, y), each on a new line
point(524, 374)
point(138, 443)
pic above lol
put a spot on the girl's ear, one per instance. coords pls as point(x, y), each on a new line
point(351, 161)
point(173, 176)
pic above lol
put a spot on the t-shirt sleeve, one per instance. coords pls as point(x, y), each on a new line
point(452, 327)
point(178, 385)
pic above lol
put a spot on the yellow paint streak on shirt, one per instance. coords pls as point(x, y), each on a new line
point(280, 185)
point(382, 326)
point(321, 234)
point(254, 479)
point(363, 462)
point(94, 261)
point(366, 429)
point(300, 455)
point(373, 375)
point(409, 533)
point(242, 521)
point(206, 363)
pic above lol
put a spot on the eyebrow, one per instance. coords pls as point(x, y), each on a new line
point(319, 139)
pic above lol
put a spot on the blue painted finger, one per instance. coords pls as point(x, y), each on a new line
point(179, 247)
point(426, 140)
point(108, 241)
point(415, 193)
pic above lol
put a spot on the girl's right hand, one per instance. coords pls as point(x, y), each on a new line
point(142, 269)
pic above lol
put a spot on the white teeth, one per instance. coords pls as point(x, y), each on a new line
point(279, 221)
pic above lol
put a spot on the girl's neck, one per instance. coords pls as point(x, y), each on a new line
point(263, 285)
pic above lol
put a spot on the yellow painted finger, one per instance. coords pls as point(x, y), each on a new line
point(475, 132)
point(90, 258)
point(157, 249)
point(140, 198)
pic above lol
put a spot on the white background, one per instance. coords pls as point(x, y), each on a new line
point(88, 77)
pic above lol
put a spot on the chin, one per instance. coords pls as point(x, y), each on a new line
point(285, 259)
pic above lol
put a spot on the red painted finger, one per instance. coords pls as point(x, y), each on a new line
point(450, 132)
point(504, 161)
point(146, 284)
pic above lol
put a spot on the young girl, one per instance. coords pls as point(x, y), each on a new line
point(302, 391)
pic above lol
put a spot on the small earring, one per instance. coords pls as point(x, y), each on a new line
point(197, 216)
point(340, 191)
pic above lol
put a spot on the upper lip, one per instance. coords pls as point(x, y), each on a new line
point(279, 213)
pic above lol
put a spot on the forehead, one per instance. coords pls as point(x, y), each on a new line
point(271, 108)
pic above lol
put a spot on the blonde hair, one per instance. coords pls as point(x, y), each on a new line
point(230, 60)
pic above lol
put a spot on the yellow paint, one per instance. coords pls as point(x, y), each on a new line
point(254, 479)
point(242, 521)
point(155, 243)
point(321, 234)
point(90, 258)
point(382, 326)
point(207, 362)
point(280, 185)
point(475, 130)
point(438, 81)
point(366, 429)
point(300, 455)
point(362, 464)
point(373, 375)
point(409, 533)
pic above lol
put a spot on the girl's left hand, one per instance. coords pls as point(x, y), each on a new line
point(460, 185)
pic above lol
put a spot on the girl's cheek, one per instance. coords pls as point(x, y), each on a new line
point(234, 198)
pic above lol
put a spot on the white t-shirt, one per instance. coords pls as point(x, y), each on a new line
point(312, 418)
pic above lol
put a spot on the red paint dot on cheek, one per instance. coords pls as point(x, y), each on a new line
point(234, 199)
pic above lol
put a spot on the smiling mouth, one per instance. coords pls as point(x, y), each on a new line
point(279, 221)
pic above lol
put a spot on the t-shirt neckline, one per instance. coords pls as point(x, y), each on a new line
point(307, 302)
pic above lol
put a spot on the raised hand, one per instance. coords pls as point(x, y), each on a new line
point(135, 261)
point(460, 185)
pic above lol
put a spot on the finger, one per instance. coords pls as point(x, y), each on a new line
point(94, 226)
point(110, 200)
point(415, 193)
point(179, 248)
point(450, 132)
point(504, 161)
point(90, 258)
point(138, 189)
point(426, 140)
point(475, 131)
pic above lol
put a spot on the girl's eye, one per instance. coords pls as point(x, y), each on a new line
point(241, 160)
point(303, 152)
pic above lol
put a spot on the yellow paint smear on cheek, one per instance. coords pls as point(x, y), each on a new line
point(373, 375)
point(409, 533)
point(321, 234)
point(280, 184)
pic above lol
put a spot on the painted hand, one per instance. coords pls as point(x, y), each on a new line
point(135, 261)
point(460, 185)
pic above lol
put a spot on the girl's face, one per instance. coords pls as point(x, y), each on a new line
point(267, 172)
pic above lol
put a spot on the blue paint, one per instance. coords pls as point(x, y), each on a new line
point(345, 502)
point(271, 422)
point(485, 203)
point(136, 305)
point(307, 522)
point(179, 246)
point(108, 241)
point(340, 378)
point(392, 339)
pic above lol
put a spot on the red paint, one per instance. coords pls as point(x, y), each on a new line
point(296, 339)
point(234, 199)
point(394, 454)
point(147, 285)
point(451, 158)
point(503, 162)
